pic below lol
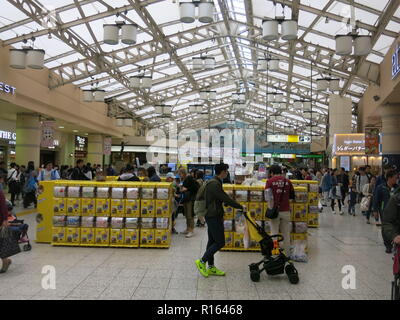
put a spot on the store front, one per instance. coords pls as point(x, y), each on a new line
point(7, 141)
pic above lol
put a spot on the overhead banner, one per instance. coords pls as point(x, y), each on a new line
point(47, 140)
point(107, 146)
point(372, 140)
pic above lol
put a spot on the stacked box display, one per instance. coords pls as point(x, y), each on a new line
point(112, 215)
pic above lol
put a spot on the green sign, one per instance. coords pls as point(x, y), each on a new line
point(310, 156)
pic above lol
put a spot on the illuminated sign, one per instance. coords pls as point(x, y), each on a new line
point(288, 138)
point(11, 137)
point(396, 62)
point(279, 155)
point(349, 144)
point(6, 135)
point(80, 143)
point(6, 88)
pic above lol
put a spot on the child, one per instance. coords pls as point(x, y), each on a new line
point(352, 200)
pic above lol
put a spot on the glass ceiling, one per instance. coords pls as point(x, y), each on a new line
point(236, 53)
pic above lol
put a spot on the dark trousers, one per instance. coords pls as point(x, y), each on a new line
point(216, 238)
point(387, 242)
point(344, 193)
point(13, 194)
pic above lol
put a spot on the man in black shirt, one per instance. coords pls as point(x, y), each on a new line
point(78, 172)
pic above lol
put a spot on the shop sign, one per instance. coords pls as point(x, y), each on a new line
point(7, 135)
point(371, 140)
point(80, 143)
point(349, 144)
point(6, 88)
point(292, 138)
point(396, 62)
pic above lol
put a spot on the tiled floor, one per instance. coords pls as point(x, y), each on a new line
point(105, 273)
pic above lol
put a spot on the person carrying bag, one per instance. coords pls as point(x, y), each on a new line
point(279, 191)
point(8, 241)
point(273, 213)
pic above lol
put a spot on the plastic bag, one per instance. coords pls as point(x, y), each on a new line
point(246, 237)
point(299, 251)
point(300, 227)
point(240, 223)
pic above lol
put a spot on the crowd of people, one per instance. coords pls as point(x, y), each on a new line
point(372, 193)
point(337, 188)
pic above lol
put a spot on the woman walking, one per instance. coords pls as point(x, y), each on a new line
point(335, 193)
point(366, 202)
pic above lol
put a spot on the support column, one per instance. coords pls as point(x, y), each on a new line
point(95, 149)
point(391, 134)
point(67, 147)
point(28, 139)
point(339, 121)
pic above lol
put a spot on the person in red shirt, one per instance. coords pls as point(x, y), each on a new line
point(274, 196)
point(3, 222)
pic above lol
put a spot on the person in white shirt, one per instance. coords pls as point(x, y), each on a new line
point(48, 173)
point(13, 182)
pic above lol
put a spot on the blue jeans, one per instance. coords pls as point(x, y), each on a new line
point(216, 238)
point(352, 209)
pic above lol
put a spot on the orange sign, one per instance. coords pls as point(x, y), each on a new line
point(372, 140)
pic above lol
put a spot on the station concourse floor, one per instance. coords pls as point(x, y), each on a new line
point(108, 273)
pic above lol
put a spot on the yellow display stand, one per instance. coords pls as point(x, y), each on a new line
point(103, 200)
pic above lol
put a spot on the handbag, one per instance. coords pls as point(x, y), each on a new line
point(8, 243)
point(365, 202)
point(274, 212)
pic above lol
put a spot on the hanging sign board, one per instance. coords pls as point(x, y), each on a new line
point(47, 140)
point(107, 146)
point(371, 140)
point(349, 144)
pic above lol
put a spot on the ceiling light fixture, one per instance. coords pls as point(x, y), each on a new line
point(27, 57)
point(188, 11)
point(289, 28)
point(128, 33)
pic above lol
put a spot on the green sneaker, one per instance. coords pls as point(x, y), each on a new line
point(202, 268)
point(214, 271)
